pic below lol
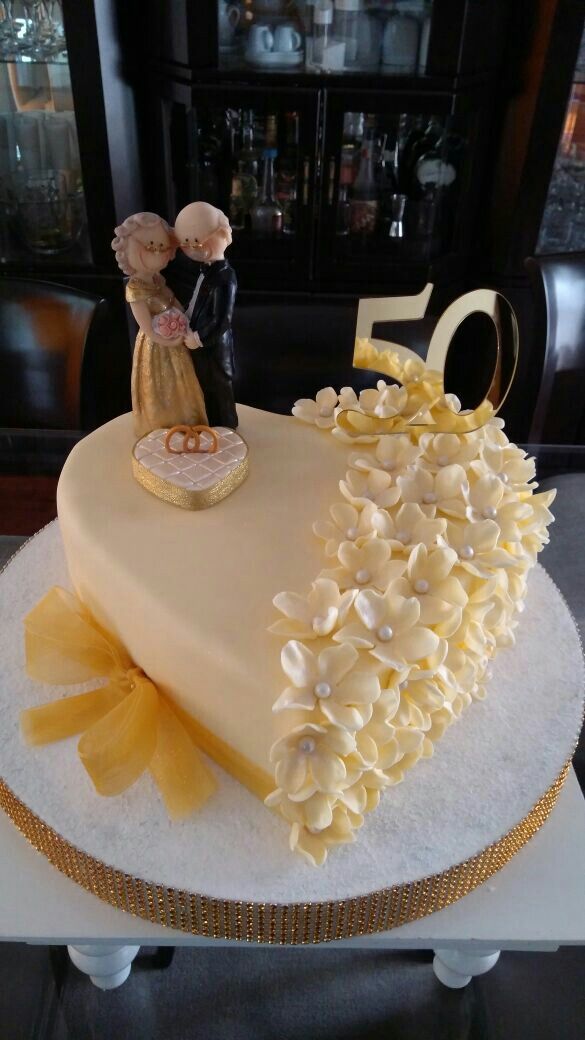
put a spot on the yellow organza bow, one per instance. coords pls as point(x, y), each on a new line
point(127, 726)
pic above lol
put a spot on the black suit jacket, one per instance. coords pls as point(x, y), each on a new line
point(214, 361)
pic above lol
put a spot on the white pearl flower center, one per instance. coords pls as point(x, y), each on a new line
point(322, 689)
point(403, 536)
point(490, 512)
point(325, 412)
point(443, 460)
point(467, 552)
point(429, 498)
point(421, 586)
point(307, 746)
point(389, 465)
point(503, 477)
point(385, 633)
point(362, 576)
point(318, 622)
point(352, 533)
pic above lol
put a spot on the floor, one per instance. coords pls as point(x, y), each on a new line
point(309, 994)
point(253, 994)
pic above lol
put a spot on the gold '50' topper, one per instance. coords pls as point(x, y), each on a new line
point(482, 313)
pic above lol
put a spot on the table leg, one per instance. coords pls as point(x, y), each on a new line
point(455, 967)
point(107, 966)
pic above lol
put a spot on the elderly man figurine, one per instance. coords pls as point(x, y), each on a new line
point(203, 233)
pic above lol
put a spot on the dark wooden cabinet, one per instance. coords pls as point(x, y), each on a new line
point(198, 97)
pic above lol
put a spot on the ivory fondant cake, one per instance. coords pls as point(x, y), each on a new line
point(385, 617)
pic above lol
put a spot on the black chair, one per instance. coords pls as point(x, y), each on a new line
point(64, 369)
point(558, 284)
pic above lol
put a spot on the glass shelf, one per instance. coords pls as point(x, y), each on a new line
point(24, 59)
point(43, 217)
point(324, 36)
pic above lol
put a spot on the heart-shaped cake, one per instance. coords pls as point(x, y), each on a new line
point(398, 563)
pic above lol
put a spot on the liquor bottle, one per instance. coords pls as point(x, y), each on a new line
point(247, 165)
point(266, 214)
point(388, 184)
point(343, 223)
point(417, 146)
point(237, 205)
point(271, 138)
point(365, 201)
point(286, 184)
point(411, 130)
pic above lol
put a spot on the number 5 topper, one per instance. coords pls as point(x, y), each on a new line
point(426, 381)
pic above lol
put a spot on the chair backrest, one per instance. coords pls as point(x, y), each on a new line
point(43, 334)
point(558, 284)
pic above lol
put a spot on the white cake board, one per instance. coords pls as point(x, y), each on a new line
point(487, 773)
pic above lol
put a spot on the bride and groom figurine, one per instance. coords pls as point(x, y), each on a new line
point(168, 387)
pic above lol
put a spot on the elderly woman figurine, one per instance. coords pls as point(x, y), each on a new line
point(203, 233)
point(165, 389)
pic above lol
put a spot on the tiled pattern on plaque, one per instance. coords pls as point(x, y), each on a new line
point(192, 471)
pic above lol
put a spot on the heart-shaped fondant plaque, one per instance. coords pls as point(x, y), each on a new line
point(191, 479)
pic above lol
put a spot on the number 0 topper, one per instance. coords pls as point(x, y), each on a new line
point(382, 356)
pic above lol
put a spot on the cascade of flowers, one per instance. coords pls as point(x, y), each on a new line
point(427, 550)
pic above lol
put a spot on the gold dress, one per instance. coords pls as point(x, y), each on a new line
point(165, 389)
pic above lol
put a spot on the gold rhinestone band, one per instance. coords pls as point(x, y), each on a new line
point(279, 923)
point(276, 923)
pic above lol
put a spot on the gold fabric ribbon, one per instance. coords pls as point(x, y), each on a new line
point(126, 725)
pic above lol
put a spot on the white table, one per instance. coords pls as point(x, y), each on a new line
point(537, 902)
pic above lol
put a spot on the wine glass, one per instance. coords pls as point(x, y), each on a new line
point(8, 31)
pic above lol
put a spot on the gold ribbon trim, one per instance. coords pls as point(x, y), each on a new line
point(184, 497)
point(127, 725)
point(276, 923)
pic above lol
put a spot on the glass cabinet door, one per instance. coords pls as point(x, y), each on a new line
point(251, 153)
point(391, 182)
point(42, 205)
point(324, 36)
point(562, 229)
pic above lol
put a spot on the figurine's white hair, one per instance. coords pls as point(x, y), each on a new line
point(126, 229)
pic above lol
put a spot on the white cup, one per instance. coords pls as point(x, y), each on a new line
point(286, 38)
point(400, 44)
point(228, 19)
point(260, 40)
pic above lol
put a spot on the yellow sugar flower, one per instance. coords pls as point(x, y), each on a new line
point(329, 681)
point(372, 486)
point(440, 594)
point(317, 614)
point(408, 527)
point(387, 626)
point(321, 411)
point(446, 449)
point(347, 524)
point(440, 492)
point(476, 546)
point(364, 566)
point(311, 758)
point(393, 454)
point(488, 499)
